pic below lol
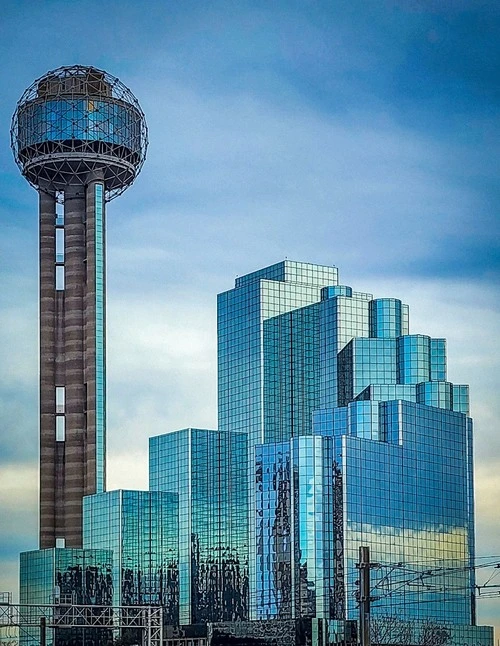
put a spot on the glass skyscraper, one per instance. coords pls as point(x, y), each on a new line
point(355, 438)
point(294, 529)
point(206, 469)
point(241, 314)
point(63, 576)
point(140, 528)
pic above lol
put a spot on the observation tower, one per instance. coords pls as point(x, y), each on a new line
point(79, 137)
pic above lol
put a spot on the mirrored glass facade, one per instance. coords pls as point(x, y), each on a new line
point(407, 494)
point(243, 391)
point(77, 118)
point(206, 469)
point(289, 401)
point(355, 438)
point(140, 527)
point(242, 311)
point(294, 529)
point(66, 575)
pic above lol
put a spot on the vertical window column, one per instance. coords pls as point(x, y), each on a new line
point(100, 383)
point(59, 259)
point(60, 413)
point(385, 318)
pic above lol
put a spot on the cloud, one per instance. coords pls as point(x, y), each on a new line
point(487, 483)
point(19, 513)
point(18, 376)
point(129, 469)
point(161, 369)
point(288, 181)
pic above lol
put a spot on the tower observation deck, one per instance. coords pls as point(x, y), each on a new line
point(79, 137)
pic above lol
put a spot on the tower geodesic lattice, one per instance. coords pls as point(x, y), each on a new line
point(75, 121)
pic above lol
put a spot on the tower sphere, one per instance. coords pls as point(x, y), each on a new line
point(76, 123)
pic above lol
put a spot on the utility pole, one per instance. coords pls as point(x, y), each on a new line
point(364, 596)
point(43, 631)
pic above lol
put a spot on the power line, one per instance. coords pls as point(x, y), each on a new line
point(408, 580)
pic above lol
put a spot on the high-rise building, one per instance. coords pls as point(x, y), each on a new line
point(294, 530)
point(206, 469)
point(244, 390)
point(356, 438)
point(140, 528)
point(241, 316)
point(59, 577)
point(79, 137)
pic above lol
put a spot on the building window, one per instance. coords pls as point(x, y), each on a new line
point(59, 278)
point(59, 208)
point(60, 399)
point(59, 246)
point(60, 428)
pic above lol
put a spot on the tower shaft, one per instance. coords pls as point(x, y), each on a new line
point(72, 359)
point(79, 132)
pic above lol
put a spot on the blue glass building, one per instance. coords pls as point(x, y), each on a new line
point(206, 469)
point(355, 438)
point(241, 315)
point(63, 575)
point(406, 476)
point(140, 528)
point(294, 529)
point(243, 388)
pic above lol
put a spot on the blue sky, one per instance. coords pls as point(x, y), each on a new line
point(360, 134)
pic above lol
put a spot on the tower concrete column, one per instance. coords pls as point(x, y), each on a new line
point(72, 352)
point(75, 285)
point(48, 358)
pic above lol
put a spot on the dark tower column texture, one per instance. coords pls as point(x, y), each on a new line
point(79, 137)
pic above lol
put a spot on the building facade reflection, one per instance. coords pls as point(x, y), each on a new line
point(206, 469)
point(64, 576)
point(140, 527)
point(355, 438)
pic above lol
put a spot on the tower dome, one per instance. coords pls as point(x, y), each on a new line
point(75, 122)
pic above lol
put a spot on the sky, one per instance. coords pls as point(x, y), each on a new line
point(363, 134)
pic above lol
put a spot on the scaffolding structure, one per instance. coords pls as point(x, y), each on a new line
point(149, 619)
